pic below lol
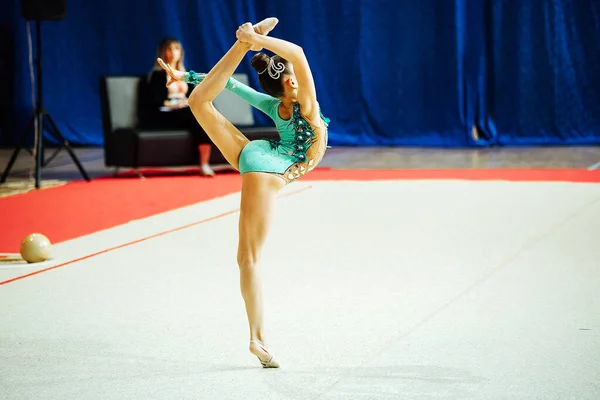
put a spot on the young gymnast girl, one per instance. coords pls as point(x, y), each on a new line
point(265, 165)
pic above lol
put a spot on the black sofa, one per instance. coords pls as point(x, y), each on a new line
point(127, 146)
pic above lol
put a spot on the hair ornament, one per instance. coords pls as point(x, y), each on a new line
point(274, 70)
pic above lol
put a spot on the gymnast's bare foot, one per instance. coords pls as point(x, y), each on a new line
point(267, 360)
point(263, 28)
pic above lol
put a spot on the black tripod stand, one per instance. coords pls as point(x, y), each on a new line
point(39, 115)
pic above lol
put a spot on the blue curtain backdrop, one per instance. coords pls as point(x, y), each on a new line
point(388, 72)
point(544, 76)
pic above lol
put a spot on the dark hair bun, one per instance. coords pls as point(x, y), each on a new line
point(260, 62)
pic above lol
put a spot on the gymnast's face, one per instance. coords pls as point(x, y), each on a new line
point(173, 53)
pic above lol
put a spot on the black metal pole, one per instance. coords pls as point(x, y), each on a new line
point(39, 107)
point(39, 115)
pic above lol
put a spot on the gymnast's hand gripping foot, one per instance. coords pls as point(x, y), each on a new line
point(265, 165)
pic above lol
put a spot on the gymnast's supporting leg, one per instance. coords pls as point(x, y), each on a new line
point(259, 193)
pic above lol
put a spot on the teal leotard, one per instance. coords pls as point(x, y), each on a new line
point(296, 135)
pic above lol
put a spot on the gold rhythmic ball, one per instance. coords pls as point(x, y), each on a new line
point(35, 248)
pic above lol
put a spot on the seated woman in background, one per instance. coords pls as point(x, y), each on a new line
point(167, 108)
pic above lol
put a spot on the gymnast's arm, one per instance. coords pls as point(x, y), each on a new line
point(307, 94)
point(261, 101)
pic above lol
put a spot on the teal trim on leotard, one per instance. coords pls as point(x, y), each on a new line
point(270, 155)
